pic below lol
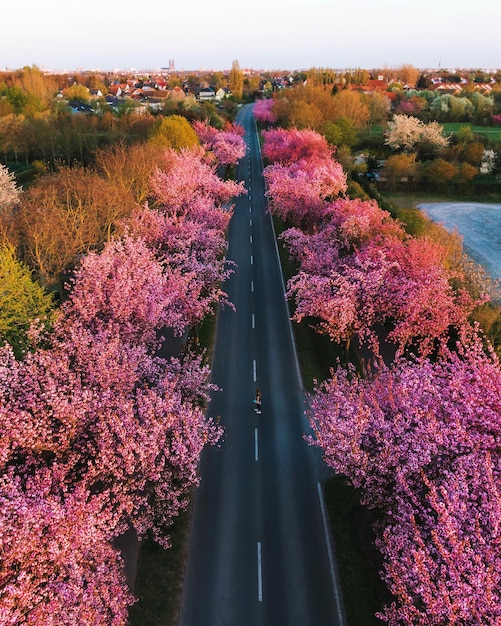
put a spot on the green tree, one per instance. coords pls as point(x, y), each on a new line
point(174, 132)
point(398, 167)
point(66, 214)
point(437, 174)
point(465, 174)
point(472, 153)
point(236, 80)
point(342, 132)
point(78, 93)
point(22, 301)
point(379, 107)
point(352, 106)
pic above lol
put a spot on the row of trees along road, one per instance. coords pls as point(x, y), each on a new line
point(417, 434)
point(100, 434)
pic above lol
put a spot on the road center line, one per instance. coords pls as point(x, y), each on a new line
point(254, 367)
point(253, 321)
point(250, 222)
point(259, 574)
point(250, 238)
point(256, 445)
point(252, 259)
point(252, 286)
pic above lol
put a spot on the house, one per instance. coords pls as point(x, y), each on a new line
point(207, 93)
point(222, 93)
point(176, 93)
point(116, 89)
point(454, 89)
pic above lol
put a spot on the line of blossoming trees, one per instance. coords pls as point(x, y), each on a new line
point(98, 433)
point(420, 436)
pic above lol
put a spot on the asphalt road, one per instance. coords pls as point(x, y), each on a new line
point(259, 550)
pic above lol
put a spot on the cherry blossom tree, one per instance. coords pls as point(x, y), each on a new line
point(58, 564)
point(288, 146)
point(419, 439)
point(419, 296)
point(107, 421)
point(125, 286)
point(205, 132)
point(263, 111)
point(98, 433)
point(185, 176)
point(298, 191)
point(360, 269)
point(192, 250)
point(227, 146)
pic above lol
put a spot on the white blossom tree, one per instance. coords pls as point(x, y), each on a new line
point(409, 134)
point(9, 192)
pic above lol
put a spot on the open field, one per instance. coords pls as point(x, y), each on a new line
point(479, 225)
point(493, 132)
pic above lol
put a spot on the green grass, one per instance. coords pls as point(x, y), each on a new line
point(405, 205)
point(358, 560)
point(493, 132)
point(159, 579)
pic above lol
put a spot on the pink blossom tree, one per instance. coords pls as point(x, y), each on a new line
point(289, 146)
point(109, 424)
point(125, 287)
point(360, 269)
point(205, 132)
point(228, 148)
point(298, 191)
point(263, 111)
point(192, 251)
point(419, 439)
point(185, 176)
point(58, 564)
point(228, 145)
point(99, 434)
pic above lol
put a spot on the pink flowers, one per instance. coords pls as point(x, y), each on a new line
point(302, 177)
point(263, 111)
point(98, 432)
point(420, 441)
point(227, 146)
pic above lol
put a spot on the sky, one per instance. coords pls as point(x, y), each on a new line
point(271, 34)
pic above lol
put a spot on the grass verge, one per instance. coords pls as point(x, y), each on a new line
point(358, 560)
point(160, 577)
